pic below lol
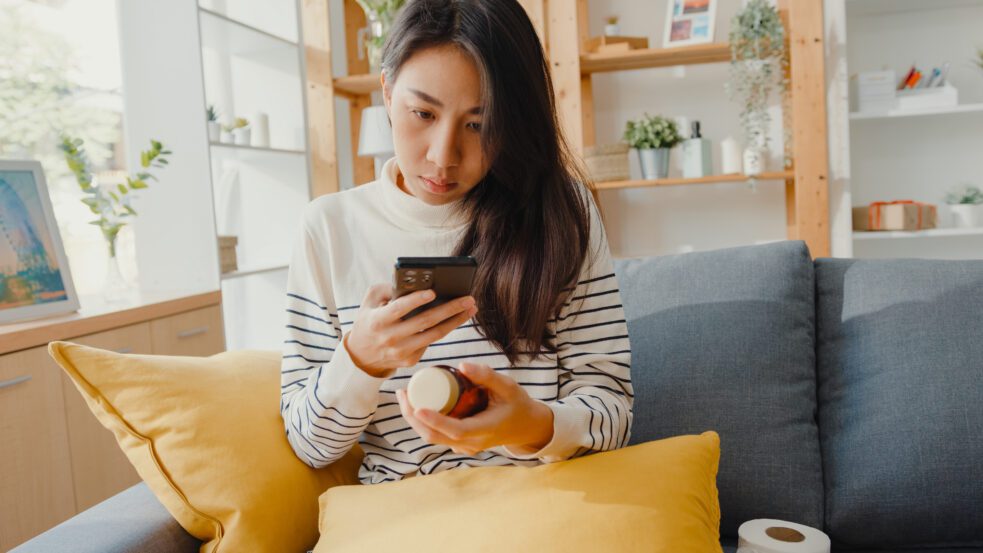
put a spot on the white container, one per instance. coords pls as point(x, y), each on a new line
point(242, 136)
point(612, 29)
point(655, 163)
point(730, 156)
point(214, 131)
point(928, 98)
point(873, 91)
point(966, 215)
point(261, 130)
point(754, 161)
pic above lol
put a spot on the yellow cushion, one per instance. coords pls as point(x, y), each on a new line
point(206, 436)
point(656, 496)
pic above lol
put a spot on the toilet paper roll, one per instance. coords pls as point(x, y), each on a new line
point(766, 535)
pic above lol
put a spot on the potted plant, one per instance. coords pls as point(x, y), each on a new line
point(758, 66)
point(241, 131)
point(966, 205)
point(380, 15)
point(653, 137)
point(979, 58)
point(214, 127)
point(111, 204)
point(611, 26)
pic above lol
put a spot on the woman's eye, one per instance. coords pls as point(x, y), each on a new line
point(474, 126)
point(425, 115)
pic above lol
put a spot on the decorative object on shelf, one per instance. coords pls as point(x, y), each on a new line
point(112, 205)
point(873, 91)
point(611, 26)
point(945, 96)
point(607, 162)
point(227, 254)
point(241, 131)
point(261, 130)
point(697, 155)
point(227, 137)
point(730, 156)
point(759, 63)
point(653, 137)
point(979, 58)
point(214, 127)
point(896, 215)
point(689, 22)
point(375, 136)
point(966, 206)
point(379, 15)
point(35, 280)
point(608, 44)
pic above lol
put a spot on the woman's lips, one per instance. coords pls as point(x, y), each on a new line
point(438, 188)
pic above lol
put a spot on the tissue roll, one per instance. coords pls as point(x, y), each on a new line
point(778, 536)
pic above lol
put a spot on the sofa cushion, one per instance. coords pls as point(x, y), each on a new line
point(206, 436)
point(724, 340)
point(657, 496)
point(900, 362)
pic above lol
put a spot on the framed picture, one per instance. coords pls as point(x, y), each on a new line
point(34, 277)
point(689, 22)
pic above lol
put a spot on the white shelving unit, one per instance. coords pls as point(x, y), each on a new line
point(915, 154)
point(252, 61)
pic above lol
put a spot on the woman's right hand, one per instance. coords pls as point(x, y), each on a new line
point(380, 341)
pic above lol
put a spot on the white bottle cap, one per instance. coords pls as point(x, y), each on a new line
point(433, 388)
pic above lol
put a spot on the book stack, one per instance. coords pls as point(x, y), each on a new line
point(873, 91)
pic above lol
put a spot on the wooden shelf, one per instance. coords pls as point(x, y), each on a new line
point(713, 179)
point(357, 85)
point(255, 271)
point(244, 147)
point(654, 57)
point(931, 233)
point(879, 7)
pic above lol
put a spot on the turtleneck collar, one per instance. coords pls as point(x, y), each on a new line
point(412, 213)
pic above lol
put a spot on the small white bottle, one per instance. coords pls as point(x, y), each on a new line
point(697, 155)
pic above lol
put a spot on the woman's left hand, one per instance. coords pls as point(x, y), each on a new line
point(512, 418)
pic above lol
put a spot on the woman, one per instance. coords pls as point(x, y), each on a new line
point(480, 169)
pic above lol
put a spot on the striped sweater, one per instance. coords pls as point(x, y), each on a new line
point(349, 242)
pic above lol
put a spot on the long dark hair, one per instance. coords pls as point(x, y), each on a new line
point(530, 216)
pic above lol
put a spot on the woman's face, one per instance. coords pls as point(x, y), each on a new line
point(435, 110)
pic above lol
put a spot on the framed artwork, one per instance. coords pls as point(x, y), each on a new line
point(689, 22)
point(34, 277)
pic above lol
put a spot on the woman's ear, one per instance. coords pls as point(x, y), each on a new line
point(386, 92)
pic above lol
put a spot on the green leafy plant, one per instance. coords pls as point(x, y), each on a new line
point(211, 113)
point(112, 206)
point(652, 132)
point(381, 14)
point(965, 195)
point(239, 123)
point(759, 63)
point(979, 58)
point(611, 20)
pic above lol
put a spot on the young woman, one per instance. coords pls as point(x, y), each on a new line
point(481, 169)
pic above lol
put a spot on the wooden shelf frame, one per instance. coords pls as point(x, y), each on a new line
point(712, 179)
point(654, 57)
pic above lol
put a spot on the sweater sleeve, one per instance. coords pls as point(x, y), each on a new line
point(326, 401)
point(593, 411)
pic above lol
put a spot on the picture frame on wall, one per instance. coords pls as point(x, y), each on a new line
point(35, 280)
point(689, 22)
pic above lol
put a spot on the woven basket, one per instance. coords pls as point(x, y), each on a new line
point(608, 162)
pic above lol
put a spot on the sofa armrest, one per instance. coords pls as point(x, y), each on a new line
point(131, 521)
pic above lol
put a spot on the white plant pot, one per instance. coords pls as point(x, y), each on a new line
point(754, 161)
point(227, 137)
point(242, 135)
point(655, 163)
point(966, 215)
point(612, 30)
point(214, 131)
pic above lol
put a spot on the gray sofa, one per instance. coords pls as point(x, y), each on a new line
point(848, 395)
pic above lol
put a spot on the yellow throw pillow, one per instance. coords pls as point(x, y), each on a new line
point(206, 436)
point(651, 497)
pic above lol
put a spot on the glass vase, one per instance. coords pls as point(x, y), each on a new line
point(115, 288)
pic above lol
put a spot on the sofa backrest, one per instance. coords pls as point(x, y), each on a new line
point(724, 341)
point(900, 383)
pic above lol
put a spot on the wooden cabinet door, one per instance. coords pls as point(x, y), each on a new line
point(100, 470)
point(35, 465)
point(197, 333)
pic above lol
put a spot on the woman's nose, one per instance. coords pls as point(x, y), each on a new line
point(444, 149)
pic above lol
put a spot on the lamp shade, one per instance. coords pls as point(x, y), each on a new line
point(375, 137)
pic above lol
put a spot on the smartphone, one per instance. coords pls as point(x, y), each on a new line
point(448, 277)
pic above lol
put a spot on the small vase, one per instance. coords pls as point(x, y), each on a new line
point(612, 29)
point(242, 136)
point(114, 288)
point(214, 131)
point(655, 163)
point(754, 161)
point(966, 215)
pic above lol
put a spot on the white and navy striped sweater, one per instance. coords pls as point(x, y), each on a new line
point(349, 242)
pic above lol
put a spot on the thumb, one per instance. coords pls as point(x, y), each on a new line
point(483, 375)
point(377, 295)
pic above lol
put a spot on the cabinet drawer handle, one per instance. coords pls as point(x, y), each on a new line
point(14, 381)
point(192, 332)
